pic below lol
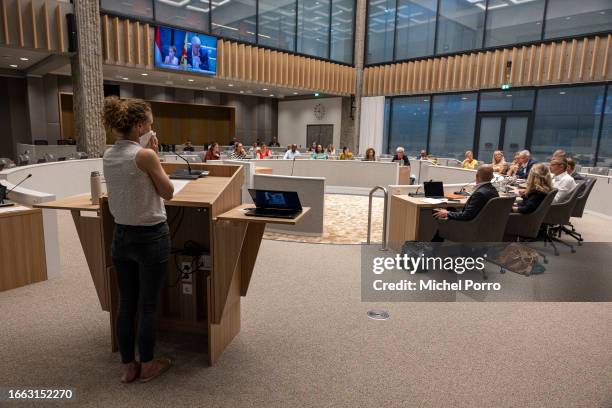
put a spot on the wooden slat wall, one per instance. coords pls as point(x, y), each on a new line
point(34, 24)
point(580, 60)
point(128, 43)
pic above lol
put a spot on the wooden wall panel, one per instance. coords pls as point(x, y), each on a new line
point(584, 59)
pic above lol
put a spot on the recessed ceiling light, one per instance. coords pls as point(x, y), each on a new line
point(191, 80)
point(265, 89)
point(125, 78)
point(271, 94)
point(241, 91)
point(425, 100)
point(206, 88)
point(23, 58)
point(230, 85)
point(144, 74)
point(562, 93)
point(464, 98)
point(509, 96)
point(295, 93)
point(13, 66)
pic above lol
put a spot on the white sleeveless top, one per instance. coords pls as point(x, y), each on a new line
point(132, 197)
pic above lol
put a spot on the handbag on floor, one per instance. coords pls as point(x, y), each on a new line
point(519, 259)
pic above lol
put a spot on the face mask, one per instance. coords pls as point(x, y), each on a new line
point(144, 139)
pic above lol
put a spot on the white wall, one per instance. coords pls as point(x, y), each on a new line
point(293, 116)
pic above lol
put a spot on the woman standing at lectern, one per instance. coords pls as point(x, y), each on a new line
point(136, 184)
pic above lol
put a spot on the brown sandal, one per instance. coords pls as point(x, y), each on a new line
point(164, 364)
point(124, 377)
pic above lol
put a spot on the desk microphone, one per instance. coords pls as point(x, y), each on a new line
point(186, 161)
point(14, 187)
point(416, 192)
point(462, 190)
point(292, 165)
point(4, 193)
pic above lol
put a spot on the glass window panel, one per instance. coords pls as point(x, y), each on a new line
point(313, 27)
point(234, 19)
point(381, 26)
point(342, 44)
point(571, 17)
point(416, 28)
point(507, 101)
point(460, 25)
point(192, 14)
point(135, 8)
point(567, 118)
point(452, 125)
point(490, 129)
point(604, 157)
point(512, 22)
point(409, 124)
point(277, 23)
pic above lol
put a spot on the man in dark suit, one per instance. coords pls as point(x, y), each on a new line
point(481, 195)
point(526, 164)
point(197, 57)
point(571, 170)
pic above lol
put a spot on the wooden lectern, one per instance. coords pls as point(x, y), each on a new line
point(206, 214)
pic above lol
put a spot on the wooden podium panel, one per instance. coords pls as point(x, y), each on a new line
point(207, 213)
point(22, 248)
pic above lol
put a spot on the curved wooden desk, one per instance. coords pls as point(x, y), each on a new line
point(206, 211)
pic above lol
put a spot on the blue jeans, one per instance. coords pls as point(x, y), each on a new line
point(140, 255)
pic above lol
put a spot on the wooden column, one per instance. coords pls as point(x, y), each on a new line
point(87, 79)
point(351, 139)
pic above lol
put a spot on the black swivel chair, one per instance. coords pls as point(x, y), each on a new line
point(41, 142)
point(558, 216)
point(589, 183)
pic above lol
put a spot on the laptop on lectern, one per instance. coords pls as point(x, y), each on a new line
point(275, 204)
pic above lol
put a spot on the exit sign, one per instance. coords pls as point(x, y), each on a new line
point(505, 87)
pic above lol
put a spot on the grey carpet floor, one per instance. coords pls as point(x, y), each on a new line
point(306, 342)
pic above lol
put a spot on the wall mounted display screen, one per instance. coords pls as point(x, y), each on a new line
point(185, 51)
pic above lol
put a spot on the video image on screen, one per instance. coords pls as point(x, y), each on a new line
point(275, 199)
point(185, 51)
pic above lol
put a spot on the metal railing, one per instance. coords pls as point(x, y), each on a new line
point(384, 234)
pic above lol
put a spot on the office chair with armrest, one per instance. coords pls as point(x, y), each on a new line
point(41, 142)
point(527, 226)
point(488, 226)
point(559, 215)
point(581, 201)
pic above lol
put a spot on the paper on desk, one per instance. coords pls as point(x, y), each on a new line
point(178, 185)
point(434, 200)
point(13, 208)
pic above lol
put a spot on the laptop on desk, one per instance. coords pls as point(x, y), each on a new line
point(433, 189)
point(274, 204)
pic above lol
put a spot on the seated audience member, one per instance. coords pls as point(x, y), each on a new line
point(263, 152)
point(330, 150)
point(319, 153)
point(233, 142)
point(423, 155)
point(213, 152)
point(483, 192)
point(238, 153)
point(274, 142)
point(313, 147)
point(539, 184)
point(526, 162)
point(370, 155)
point(571, 170)
point(400, 157)
point(469, 162)
point(561, 180)
point(514, 166)
point(499, 163)
point(346, 154)
point(559, 153)
point(292, 153)
point(188, 146)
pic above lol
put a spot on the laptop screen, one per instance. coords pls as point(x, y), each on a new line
point(433, 189)
point(282, 200)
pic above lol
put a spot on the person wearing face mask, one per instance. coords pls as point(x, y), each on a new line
point(136, 184)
